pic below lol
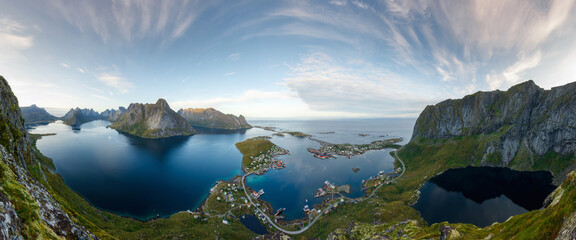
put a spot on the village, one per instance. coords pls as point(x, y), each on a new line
point(263, 162)
point(231, 200)
point(349, 150)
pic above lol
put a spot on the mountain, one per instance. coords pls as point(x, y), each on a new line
point(152, 121)
point(525, 127)
point(76, 116)
point(212, 118)
point(112, 115)
point(36, 115)
point(27, 208)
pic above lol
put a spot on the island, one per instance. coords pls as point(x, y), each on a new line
point(152, 121)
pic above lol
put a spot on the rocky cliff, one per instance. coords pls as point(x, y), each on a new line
point(35, 115)
point(112, 115)
point(152, 121)
point(212, 118)
point(76, 116)
point(525, 127)
point(27, 209)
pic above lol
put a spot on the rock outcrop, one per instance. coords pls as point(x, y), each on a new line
point(27, 210)
point(152, 121)
point(526, 120)
point(212, 118)
point(112, 115)
point(76, 116)
point(35, 115)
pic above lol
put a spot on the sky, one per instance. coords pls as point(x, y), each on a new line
point(282, 59)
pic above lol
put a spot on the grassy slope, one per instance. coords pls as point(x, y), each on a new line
point(252, 148)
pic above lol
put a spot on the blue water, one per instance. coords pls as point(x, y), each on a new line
point(145, 178)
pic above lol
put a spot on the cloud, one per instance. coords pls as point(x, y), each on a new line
point(248, 96)
point(81, 70)
point(230, 74)
point(65, 65)
point(13, 40)
point(515, 73)
point(325, 84)
point(115, 81)
point(338, 2)
point(130, 19)
point(234, 57)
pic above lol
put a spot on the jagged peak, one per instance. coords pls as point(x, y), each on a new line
point(162, 102)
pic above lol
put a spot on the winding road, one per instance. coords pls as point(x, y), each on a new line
point(319, 215)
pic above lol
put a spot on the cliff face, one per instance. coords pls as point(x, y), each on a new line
point(152, 121)
point(524, 122)
point(27, 210)
point(36, 115)
point(212, 118)
point(76, 117)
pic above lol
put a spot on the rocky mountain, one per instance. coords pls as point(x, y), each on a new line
point(212, 118)
point(27, 209)
point(35, 115)
point(76, 116)
point(112, 115)
point(525, 127)
point(152, 121)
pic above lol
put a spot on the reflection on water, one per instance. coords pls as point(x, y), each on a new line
point(482, 195)
point(145, 178)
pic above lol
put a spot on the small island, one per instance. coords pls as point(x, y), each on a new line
point(329, 150)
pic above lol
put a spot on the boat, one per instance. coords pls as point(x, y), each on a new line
point(279, 211)
point(319, 193)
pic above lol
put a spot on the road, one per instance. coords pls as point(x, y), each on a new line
point(319, 215)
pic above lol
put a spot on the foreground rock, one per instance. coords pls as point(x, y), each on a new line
point(27, 209)
point(36, 115)
point(212, 118)
point(152, 121)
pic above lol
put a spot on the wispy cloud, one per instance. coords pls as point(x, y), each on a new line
point(515, 73)
point(64, 65)
point(230, 74)
point(234, 57)
point(132, 20)
point(13, 40)
point(115, 81)
point(248, 96)
point(326, 84)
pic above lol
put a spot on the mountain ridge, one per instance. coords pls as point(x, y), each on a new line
point(36, 115)
point(152, 121)
point(212, 118)
point(513, 128)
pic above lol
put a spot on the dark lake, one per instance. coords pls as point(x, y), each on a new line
point(482, 195)
point(145, 178)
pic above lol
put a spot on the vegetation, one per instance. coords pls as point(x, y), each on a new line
point(298, 134)
point(253, 148)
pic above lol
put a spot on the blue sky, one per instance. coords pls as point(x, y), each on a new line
point(281, 59)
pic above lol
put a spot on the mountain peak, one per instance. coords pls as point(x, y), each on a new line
point(162, 103)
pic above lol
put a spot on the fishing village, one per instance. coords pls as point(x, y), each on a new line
point(233, 200)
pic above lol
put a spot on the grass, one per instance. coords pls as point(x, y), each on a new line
point(252, 148)
point(298, 134)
